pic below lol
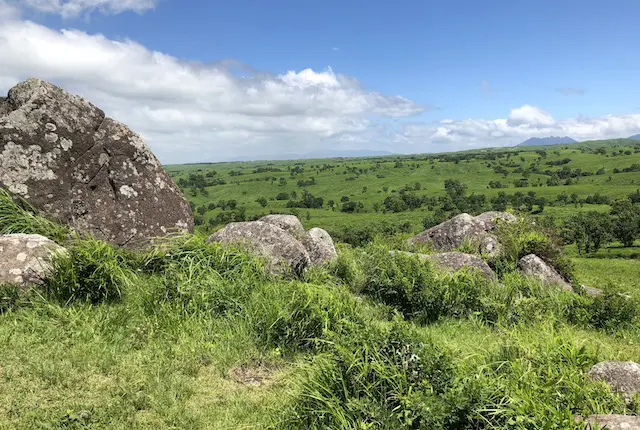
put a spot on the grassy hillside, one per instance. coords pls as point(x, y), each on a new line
point(191, 335)
point(368, 181)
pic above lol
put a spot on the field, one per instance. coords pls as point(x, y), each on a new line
point(370, 180)
point(198, 336)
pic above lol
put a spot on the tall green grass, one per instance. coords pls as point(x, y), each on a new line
point(18, 217)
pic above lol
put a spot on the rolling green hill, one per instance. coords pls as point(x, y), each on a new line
point(585, 169)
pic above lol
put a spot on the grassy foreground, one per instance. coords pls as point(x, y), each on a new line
point(197, 336)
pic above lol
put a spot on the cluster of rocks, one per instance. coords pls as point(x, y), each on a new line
point(282, 240)
point(622, 377)
point(479, 231)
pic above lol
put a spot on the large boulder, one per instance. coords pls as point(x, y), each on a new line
point(622, 376)
point(25, 259)
point(463, 228)
point(612, 422)
point(492, 219)
point(451, 234)
point(67, 159)
point(319, 245)
point(535, 267)
point(284, 252)
point(289, 223)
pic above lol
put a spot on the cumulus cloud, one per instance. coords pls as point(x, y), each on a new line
point(74, 8)
point(211, 112)
point(196, 111)
point(521, 123)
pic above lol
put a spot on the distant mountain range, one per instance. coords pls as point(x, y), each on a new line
point(635, 137)
point(317, 154)
point(544, 141)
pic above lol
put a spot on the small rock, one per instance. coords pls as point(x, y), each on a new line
point(535, 267)
point(281, 249)
point(611, 422)
point(622, 376)
point(319, 245)
point(25, 259)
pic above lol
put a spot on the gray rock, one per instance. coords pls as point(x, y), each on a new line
point(63, 156)
point(622, 376)
point(284, 252)
point(289, 223)
point(590, 291)
point(490, 246)
point(492, 219)
point(319, 245)
point(451, 234)
point(25, 259)
point(611, 422)
point(535, 267)
point(453, 261)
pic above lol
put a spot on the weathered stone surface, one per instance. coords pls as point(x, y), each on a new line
point(281, 249)
point(451, 234)
point(319, 245)
point(611, 422)
point(492, 219)
point(25, 259)
point(289, 223)
point(453, 261)
point(536, 267)
point(622, 376)
point(590, 291)
point(61, 154)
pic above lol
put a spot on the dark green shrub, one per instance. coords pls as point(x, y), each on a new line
point(9, 297)
point(293, 316)
point(613, 310)
point(378, 377)
point(92, 271)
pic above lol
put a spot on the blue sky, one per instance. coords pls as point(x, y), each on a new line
point(571, 67)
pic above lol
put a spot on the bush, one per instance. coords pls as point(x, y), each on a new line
point(381, 377)
point(298, 316)
point(92, 271)
point(528, 237)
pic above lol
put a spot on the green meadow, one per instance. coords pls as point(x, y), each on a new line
point(190, 335)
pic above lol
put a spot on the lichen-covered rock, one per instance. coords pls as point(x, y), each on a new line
point(284, 252)
point(535, 267)
point(611, 422)
point(453, 262)
point(451, 234)
point(25, 259)
point(319, 245)
point(490, 246)
point(622, 376)
point(492, 219)
point(289, 223)
point(61, 154)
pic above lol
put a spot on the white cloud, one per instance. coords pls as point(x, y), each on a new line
point(194, 112)
point(529, 116)
point(8, 11)
point(74, 8)
point(198, 111)
point(522, 123)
